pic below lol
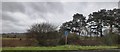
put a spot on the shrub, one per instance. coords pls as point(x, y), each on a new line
point(111, 39)
point(48, 39)
point(71, 39)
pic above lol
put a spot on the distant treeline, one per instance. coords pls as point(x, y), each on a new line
point(14, 35)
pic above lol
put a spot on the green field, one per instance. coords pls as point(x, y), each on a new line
point(64, 47)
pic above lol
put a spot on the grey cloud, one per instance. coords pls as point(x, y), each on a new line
point(60, 0)
point(24, 14)
point(6, 17)
point(11, 27)
point(33, 10)
point(95, 6)
point(45, 7)
point(12, 6)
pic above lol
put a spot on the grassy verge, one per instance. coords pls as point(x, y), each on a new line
point(64, 47)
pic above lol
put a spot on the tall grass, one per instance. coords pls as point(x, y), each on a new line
point(63, 47)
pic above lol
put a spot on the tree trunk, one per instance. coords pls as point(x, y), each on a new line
point(90, 32)
point(111, 28)
point(101, 35)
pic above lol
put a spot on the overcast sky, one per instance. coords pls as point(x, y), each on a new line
point(19, 16)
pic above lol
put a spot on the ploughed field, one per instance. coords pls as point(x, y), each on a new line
point(21, 42)
point(12, 42)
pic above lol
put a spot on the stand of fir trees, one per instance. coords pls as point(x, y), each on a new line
point(94, 26)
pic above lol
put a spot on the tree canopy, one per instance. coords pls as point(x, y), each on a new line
point(75, 25)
